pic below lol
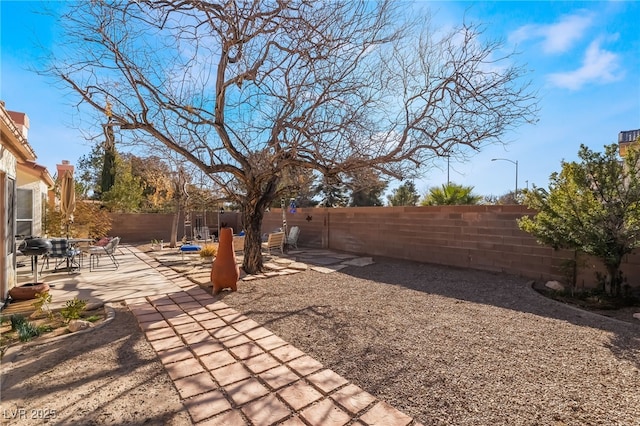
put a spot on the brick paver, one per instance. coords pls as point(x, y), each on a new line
point(217, 359)
point(160, 333)
point(261, 363)
point(299, 394)
point(327, 380)
point(246, 390)
point(164, 344)
point(231, 373)
point(227, 419)
point(325, 413)
point(287, 353)
point(304, 365)
point(353, 398)
point(266, 410)
point(246, 350)
point(382, 414)
point(174, 355)
point(194, 385)
point(184, 368)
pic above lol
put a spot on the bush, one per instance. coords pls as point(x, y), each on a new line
point(209, 250)
point(26, 330)
point(72, 309)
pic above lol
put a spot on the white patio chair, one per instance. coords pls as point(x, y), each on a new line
point(292, 238)
point(95, 253)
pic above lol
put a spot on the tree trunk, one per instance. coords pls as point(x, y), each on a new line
point(252, 263)
point(174, 228)
point(255, 204)
point(614, 278)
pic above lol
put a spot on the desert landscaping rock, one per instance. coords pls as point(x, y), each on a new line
point(328, 269)
point(554, 285)
point(77, 325)
point(298, 266)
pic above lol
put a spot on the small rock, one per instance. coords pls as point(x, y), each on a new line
point(554, 285)
point(77, 325)
point(637, 315)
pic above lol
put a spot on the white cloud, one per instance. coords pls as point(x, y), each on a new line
point(557, 37)
point(598, 66)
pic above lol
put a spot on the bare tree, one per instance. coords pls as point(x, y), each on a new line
point(248, 91)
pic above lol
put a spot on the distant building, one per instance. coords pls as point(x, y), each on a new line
point(627, 138)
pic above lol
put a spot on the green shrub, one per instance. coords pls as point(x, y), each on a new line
point(27, 330)
point(72, 309)
point(16, 321)
point(43, 300)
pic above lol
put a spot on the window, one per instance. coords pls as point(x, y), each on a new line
point(24, 212)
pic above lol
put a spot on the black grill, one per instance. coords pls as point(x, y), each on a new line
point(35, 246)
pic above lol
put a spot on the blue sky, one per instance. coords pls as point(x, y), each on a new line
point(584, 59)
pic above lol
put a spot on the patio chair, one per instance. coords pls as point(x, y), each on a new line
point(292, 238)
point(109, 251)
point(274, 240)
point(238, 243)
point(62, 252)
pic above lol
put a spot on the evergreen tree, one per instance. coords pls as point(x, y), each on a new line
point(126, 194)
point(404, 195)
point(592, 206)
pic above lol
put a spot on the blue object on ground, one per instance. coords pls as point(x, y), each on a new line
point(190, 247)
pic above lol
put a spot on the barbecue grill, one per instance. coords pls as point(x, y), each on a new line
point(34, 247)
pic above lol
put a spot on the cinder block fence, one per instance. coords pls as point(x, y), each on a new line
point(477, 237)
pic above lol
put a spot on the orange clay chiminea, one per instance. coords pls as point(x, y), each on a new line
point(225, 271)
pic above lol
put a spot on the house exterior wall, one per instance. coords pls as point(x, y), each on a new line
point(8, 172)
point(17, 170)
point(8, 272)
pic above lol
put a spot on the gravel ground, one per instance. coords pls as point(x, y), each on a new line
point(456, 347)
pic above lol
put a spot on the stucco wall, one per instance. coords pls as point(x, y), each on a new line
point(8, 277)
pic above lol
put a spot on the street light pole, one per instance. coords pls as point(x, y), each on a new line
point(515, 194)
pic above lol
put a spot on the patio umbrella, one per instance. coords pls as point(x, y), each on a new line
point(67, 198)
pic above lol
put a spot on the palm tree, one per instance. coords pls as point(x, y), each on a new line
point(450, 194)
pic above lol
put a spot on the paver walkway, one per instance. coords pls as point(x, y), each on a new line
point(230, 370)
point(227, 368)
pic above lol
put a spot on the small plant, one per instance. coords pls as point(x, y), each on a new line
point(16, 321)
point(93, 318)
point(27, 330)
point(209, 250)
point(157, 244)
point(43, 300)
point(45, 328)
point(72, 309)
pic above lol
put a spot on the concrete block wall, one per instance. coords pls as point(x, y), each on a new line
point(477, 237)
point(144, 227)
